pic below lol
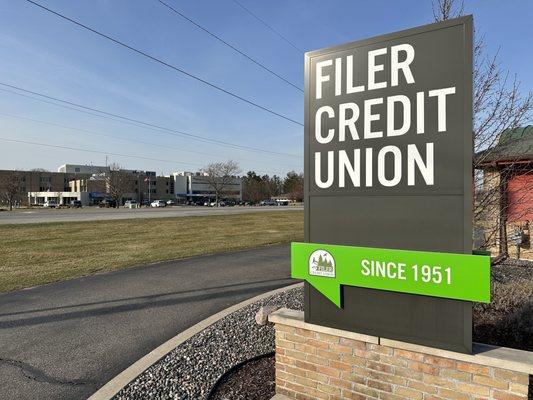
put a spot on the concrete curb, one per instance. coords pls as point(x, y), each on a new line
point(112, 387)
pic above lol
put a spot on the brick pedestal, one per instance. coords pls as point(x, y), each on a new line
point(315, 362)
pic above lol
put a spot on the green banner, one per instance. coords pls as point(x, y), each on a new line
point(453, 276)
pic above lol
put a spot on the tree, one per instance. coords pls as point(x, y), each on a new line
point(10, 189)
point(117, 183)
point(498, 107)
point(294, 186)
point(251, 187)
point(276, 185)
point(219, 176)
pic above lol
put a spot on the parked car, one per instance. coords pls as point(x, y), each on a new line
point(131, 204)
point(269, 203)
point(75, 204)
point(158, 203)
point(146, 203)
point(50, 204)
point(171, 203)
point(108, 204)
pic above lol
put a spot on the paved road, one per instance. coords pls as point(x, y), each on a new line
point(66, 340)
point(95, 213)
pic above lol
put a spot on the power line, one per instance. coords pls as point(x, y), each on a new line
point(171, 131)
point(95, 151)
point(90, 132)
point(164, 63)
point(267, 25)
point(229, 45)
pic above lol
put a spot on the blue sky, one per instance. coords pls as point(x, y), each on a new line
point(43, 53)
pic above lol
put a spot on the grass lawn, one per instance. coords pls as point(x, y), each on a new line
point(42, 253)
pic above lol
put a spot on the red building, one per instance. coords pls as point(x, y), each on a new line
point(504, 194)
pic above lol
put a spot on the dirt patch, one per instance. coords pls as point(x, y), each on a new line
point(508, 319)
point(254, 380)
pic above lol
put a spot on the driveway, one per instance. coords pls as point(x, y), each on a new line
point(37, 215)
point(66, 340)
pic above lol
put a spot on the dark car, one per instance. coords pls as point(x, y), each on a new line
point(75, 204)
point(108, 204)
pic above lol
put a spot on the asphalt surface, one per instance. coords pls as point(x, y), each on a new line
point(39, 215)
point(66, 340)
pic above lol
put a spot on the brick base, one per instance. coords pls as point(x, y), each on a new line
point(312, 364)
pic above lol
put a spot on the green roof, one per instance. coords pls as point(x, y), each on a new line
point(510, 135)
point(513, 145)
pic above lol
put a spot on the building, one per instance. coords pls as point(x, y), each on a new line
point(38, 181)
point(60, 198)
point(82, 169)
point(87, 183)
point(504, 194)
point(195, 186)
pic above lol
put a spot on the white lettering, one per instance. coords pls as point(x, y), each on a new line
point(396, 65)
point(426, 169)
point(441, 101)
point(348, 122)
point(406, 105)
point(318, 125)
point(353, 169)
point(373, 68)
point(350, 88)
point(318, 170)
point(397, 169)
point(369, 117)
point(320, 77)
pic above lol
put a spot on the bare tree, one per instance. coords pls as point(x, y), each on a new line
point(446, 9)
point(499, 107)
point(220, 176)
point(117, 183)
point(10, 189)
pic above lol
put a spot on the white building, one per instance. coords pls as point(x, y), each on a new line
point(60, 198)
point(195, 185)
point(82, 169)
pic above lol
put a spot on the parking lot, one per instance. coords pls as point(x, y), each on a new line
point(40, 215)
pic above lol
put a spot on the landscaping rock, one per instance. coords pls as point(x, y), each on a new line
point(262, 315)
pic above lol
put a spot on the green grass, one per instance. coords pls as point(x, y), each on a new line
point(36, 254)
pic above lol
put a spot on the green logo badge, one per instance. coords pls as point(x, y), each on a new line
point(322, 263)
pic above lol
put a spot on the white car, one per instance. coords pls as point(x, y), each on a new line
point(50, 204)
point(131, 204)
point(158, 203)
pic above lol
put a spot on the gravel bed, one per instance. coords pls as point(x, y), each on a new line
point(191, 369)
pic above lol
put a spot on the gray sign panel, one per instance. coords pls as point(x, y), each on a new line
point(388, 163)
